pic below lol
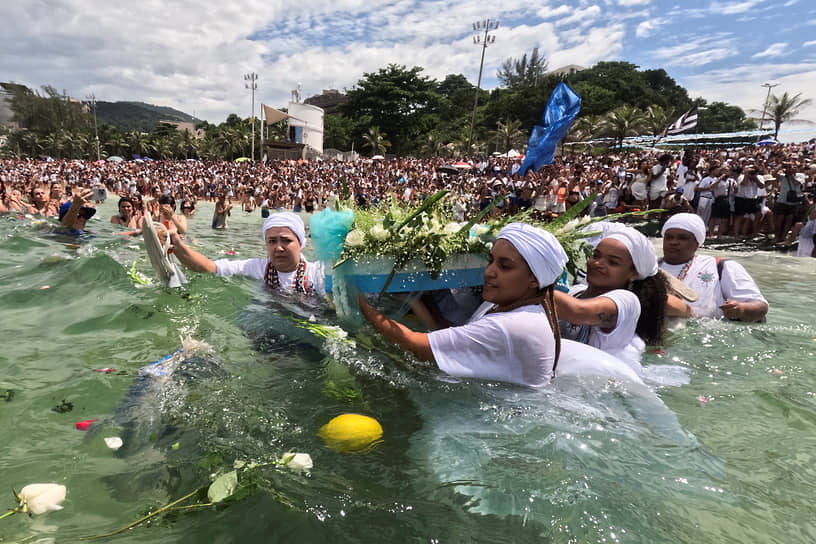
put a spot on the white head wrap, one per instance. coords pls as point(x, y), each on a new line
point(286, 219)
point(542, 251)
point(603, 228)
point(641, 250)
point(691, 222)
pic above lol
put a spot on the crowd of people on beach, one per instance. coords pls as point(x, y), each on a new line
point(755, 191)
point(623, 304)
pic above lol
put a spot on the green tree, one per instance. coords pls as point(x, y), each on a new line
point(338, 132)
point(508, 135)
point(721, 117)
point(397, 100)
point(375, 141)
point(622, 122)
point(657, 119)
point(523, 71)
point(784, 109)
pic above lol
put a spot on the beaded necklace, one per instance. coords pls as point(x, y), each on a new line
point(299, 282)
point(683, 271)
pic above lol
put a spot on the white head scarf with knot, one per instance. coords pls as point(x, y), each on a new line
point(542, 251)
point(690, 222)
point(286, 219)
point(640, 249)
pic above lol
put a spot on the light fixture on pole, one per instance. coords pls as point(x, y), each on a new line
point(481, 26)
point(251, 83)
point(765, 106)
point(92, 98)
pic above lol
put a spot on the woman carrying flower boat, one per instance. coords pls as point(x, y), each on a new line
point(621, 308)
point(283, 269)
point(513, 336)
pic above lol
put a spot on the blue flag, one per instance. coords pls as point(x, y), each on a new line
point(562, 107)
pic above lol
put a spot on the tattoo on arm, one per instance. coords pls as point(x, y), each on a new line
point(607, 319)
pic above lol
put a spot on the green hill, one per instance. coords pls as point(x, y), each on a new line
point(128, 116)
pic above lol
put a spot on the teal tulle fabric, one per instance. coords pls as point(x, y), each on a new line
point(329, 229)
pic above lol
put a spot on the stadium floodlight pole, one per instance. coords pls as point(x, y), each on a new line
point(92, 99)
point(481, 26)
point(251, 83)
point(767, 98)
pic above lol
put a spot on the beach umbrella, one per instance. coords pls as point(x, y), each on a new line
point(377, 158)
point(767, 141)
point(115, 158)
point(447, 169)
point(242, 159)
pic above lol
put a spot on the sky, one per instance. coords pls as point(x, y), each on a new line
point(193, 56)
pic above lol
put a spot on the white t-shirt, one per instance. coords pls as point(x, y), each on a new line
point(638, 187)
point(702, 276)
point(256, 268)
point(516, 346)
point(622, 341)
point(806, 235)
point(658, 186)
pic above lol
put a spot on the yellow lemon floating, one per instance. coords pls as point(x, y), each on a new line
point(351, 433)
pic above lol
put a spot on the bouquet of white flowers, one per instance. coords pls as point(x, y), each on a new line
point(427, 233)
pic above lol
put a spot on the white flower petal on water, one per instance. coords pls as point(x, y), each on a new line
point(114, 442)
point(41, 498)
point(299, 462)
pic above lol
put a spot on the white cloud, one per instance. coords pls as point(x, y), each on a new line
point(742, 85)
point(582, 16)
point(773, 50)
point(192, 56)
point(547, 12)
point(645, 29)
point(603, 43)
point(698, 52)
point(732, 8)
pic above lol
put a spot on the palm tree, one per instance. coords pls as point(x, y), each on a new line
point(433, 146)
point(623, 121)
point(139, 143)
point(508, 135)
point(784, 109)
point(657, 119)
point(583, 129)
point(375, 140)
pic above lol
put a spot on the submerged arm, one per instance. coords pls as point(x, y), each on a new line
point(415, 342)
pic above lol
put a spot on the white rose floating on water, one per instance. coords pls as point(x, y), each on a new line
point(298, 462)
point(355, 238)
point(378, 232)
point(41, 498)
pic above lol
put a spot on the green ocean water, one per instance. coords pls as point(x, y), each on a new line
point(726, 457)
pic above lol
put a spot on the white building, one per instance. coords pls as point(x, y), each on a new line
point(306, 125)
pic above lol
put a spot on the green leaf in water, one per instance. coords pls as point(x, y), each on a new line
point(223, 486)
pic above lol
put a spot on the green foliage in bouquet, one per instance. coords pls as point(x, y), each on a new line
point(426, 232)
